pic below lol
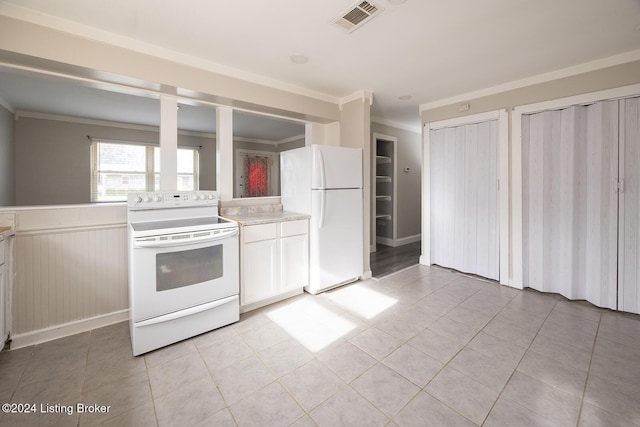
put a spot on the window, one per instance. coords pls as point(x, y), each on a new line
point(119, 168)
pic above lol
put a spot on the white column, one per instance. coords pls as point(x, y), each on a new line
point(168, 143)
point(313, 134)
point(425, 256)
point(224, 152)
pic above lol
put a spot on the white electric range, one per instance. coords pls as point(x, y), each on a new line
point(183, 267)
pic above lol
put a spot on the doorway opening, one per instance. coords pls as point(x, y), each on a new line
point(388, 259)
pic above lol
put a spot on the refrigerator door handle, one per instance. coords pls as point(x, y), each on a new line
point(322, 202)
point(321, 169)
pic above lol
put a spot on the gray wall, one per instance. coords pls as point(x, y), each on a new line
point(408, 197)
point(207, 157)
point(291, 145)
point(52, 158)
point(7, 171)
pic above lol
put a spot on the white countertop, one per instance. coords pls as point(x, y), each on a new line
point(255, 218)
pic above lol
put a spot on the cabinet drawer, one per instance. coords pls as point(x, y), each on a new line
point(292, 228)
point(254, 233)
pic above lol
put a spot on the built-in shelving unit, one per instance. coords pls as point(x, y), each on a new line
point(385, 188)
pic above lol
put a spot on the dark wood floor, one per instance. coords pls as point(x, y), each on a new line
point(386, 259)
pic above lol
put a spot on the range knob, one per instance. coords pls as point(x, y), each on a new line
point(146, 199)
point(157, 199)
point(138, 199)
point(210, 197)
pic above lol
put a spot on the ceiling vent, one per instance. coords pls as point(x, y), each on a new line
point(356, 16)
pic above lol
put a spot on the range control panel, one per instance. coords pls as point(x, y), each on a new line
point(165, 199)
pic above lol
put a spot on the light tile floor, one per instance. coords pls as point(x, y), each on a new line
point(424, 347)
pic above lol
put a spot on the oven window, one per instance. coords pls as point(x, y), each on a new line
point(186, 268)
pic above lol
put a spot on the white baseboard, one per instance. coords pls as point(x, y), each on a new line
point(384, 241)
point(424, 260)
point(66, 329)
point(367, 275)
point(398, 242)
point(408, 239)
point(271, 300)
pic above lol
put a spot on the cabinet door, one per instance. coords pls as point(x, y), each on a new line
point(294, 262)
point(259, 271)
point(3, 307)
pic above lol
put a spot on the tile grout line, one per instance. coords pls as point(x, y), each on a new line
point(153, 400)
point(465, 345)
point(15, 388)
point(84, 376)
point(557, 307)
point(586, 381)
point(406, 341)
point(227, 406)
point(515, 369)
point(458, 352)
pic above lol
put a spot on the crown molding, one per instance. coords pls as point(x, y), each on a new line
point(586, 67)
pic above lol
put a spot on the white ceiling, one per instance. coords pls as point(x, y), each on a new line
point(428, 49)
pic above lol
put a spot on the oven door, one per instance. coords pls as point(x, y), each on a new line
point(170, 276)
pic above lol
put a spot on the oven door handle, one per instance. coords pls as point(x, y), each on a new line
point(171, 243)
point(187, 312)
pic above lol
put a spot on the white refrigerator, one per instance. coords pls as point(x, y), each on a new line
point(325, 182)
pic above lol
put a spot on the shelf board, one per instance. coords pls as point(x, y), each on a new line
point(383, 159)
point(382, 178)
point(384, 217)
point(384, 198)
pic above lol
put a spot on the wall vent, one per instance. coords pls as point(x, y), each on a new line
point(357, 15)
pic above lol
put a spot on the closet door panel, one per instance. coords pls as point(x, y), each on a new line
point(470, 211)
point(464, 198)
point(629, 242)
point(483, 190)
point(600, 225)
point(437, 194)
point(536, 174)
point(570, 174)
point(569, 203)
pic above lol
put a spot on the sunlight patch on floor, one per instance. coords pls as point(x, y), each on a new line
point(361, 300)
point(310, 324)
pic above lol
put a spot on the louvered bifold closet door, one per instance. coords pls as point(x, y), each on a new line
point(570, 203)
point(464, 198)
point(629, 258)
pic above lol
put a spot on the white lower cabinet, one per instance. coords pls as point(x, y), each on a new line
point(294, 255)
point(259, 268)
point(4, 330)
point(274, 262)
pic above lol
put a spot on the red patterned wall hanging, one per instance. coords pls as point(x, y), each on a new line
point(256, 176)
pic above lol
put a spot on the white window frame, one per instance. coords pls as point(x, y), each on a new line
point(150, 172)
